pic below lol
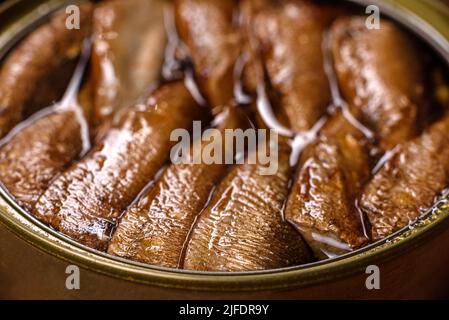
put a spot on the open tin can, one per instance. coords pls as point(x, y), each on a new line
point(413, 261)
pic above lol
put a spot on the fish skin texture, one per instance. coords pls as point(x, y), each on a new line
point(37, 72)
point(331, 174)
point(214, 43)
point(242, 228)
point(29, 161)
point(155, 229)
point(127, 53)
point(408, 183)
point(290, 39)
point(86, 201)
point(382, 72)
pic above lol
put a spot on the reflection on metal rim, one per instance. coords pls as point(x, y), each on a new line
point(428, 20)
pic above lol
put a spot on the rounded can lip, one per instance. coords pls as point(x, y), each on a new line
point(429, 20)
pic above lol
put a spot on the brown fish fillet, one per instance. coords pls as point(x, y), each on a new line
point(242, 228)
point(37, 72)
point(290, 37)
point(409, 181)
point(252, 73)
point(214, 42)
point(87, 199)
point(382, 73)
point(322, 203)
point(30, 159)
point(155, 229)
point(128, 48)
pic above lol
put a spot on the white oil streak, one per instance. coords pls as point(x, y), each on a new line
point(239, 94)
point(68, 103)
point(337, 100)
point(266, 112)
point(385, 158)
point(302, 140)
